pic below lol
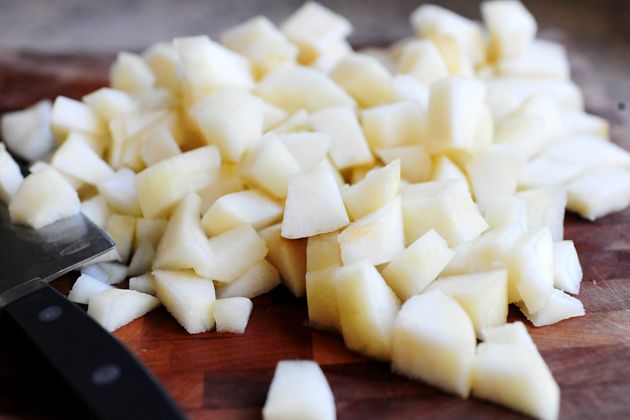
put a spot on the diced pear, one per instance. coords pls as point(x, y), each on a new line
point(363, 77)
point(395, 124)
point(96, 210)
point(164, 184)
point(313, 206)
point(121, 229)
point(10, 176)
point(376, 237)
point(144, 284)
point(526, 131)
point(294, 87)
point(297, 121)
point(322, 251)
point(244, 207)
point(207, 66)
point(444, 170)
point(496, 170)
point(599, 192)
point(68, 115)
point(540, 58)
point(545, 207)
point(560, 306)
point(43, 198)
point(415, 162)
point(434, 341)
point(299, 390)
point(163, 60)
point(260, 278)
point(188, 297)
point(587, 151)
point(130, 73)
point(547, 171)
point(86, 287)
point(502, 210)
point(114, 308)
point(119, 190)
point(567, 271)
point(367, 310)
point(308, 148)
point(484, 296)
point(422, 60)
point(288, 256)
point(149, 230)
point(314, 28)
point(511, 333)
point(156, 98)
point(27, 132)
point(545, 106)
point(455, 114)
point(514, 375)
point(269, 164)
point(407, 87)
point(332, 56)
point(227, 182)
point(511, 26)
point(184, 245)
point(349, 148)
point(232, 314)
point(115, 272)
point(142, 258)
point(445, 206)
point(580, 123)
point(411, 271)
point(235, 251)
point(382, 55)
point(231, 119)
point(531, 269)
point(159, 146)
point(375, 190)
point(272, 116)
point(321, 298)
point(262, 43)
point(108, 103)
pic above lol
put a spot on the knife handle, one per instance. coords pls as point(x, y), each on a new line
point(105, 375)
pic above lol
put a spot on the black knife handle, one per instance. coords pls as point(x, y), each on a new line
point(105, 375)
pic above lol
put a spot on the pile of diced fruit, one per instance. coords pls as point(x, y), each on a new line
point(411, 193)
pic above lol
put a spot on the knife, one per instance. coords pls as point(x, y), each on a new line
point(112, 383)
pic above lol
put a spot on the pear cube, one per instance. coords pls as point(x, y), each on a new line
point(96, 210)
point(10, 176)
point(322, 251)
point(599, 191)
point(422, 60)
point(321, 298)
point(114, 308)
point(130, 73)
point(163, 60)
point(85, 287)
point(144, 284)
point(108, 103)
point(363, 77)
point(395, 124)
point(545, 207)
point(235, 251)
point(567, 271)
point(27, 132)
point(258, 279)
point(232, 314)
point(511, 26)
point(308, 148)
point(415, 161)
point(288, 256)
point(371, 193)
point(121, 229)
point(560, 306)
point(120, 192)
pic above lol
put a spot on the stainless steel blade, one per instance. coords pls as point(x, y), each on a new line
point(30, 257)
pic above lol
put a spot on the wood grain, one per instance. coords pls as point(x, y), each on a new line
point(224, 376)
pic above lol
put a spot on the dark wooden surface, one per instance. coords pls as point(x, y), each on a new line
point(226, 376)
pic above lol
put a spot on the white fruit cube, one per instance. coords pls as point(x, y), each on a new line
point(295, 87)
point(496, 170)
point(10, 176)
point(599, 192)
point(411, 271)
point(588, 152)
point(332, 56)
point(149, 230)
point(260, 278)
point(422, 60)
point(314, 28)
point(407, 87)
point(158, 146)
point(540, 59)
point(235, 251)
point(502, 210)
point(395, 124)
point(108, 103)
point(580, 123)
point(456, 105)
point(272, 116)
point(511, 26)
point(288, 256)
point(27, 132)
point(85, 287)
point(367, 310)
point(232, 314)
point(43, 198)
point(121, 229)
point(434, 341)
point(163, 60)
point(144, 284)
point(244, 207)
point(130, 73)
point(567, 271)
point(227, 182)
point(375, 190)
point(231, 119)
point(262, 43)
point(531, 269)
point(142, 259)
point(363, 77)
point(348, 144)
point(376, 237)
point(299, 390)
point(114, 272)
point(511, 333)
point(184, 245)
point(322, 251)
point(545, 207)
point(164, 184)
point(484, 296)
point(308, 148)
point(313, 206)
point(119, 190)
point(445, 169)
point(297, 121)
point(415, 161)
point(526, 131)
point(114, 308)
point(96, 210)
point(321, 298)
point(68, 115)
point(445, 206)
point(269, 164)
point(188, 297)
point(560, 306)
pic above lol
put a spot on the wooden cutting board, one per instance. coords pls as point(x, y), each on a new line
point(227, 376)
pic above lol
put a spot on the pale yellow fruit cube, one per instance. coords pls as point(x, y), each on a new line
point(415, 161)
point(130, 73)
point(526, 131)
point(114, 308)
point(163, 60)
point(256, 280)
point(511, 26)
point(142, 259)
point(321, 298)
point(599, 192)
point(372, 192)
point(588, 151)
point(108, 103)
point(580, 123)
point(68, 115)
point(232, 314)
point(423, 60)
point(395, 124)
point(85, 287)
point(540, 59)
point(332, 56)
point(407, 87)
point(121, 229)
point(567, 271)
point(235, 251)
point(363, 77)
point(119, 190)
point(308, 148)
point(502, 210)
point(322, 251)
point(10, 176)
point(444, 169)
point(545, 171)
point(228, 181)
point(96, 210)
point(149, 230)
point(434, 341)
point(158, 146)
point(27, 133)
point(545, 207)
point(288, 256)
point(411, 271)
